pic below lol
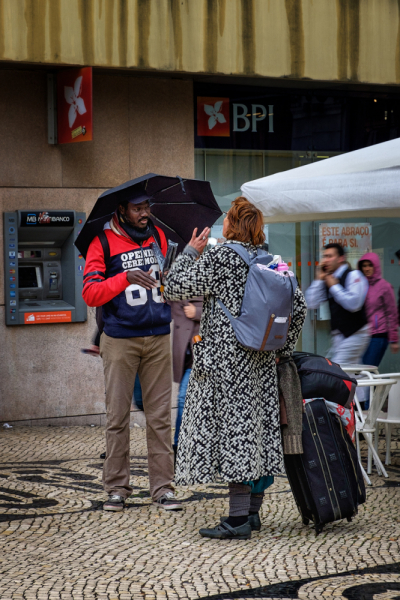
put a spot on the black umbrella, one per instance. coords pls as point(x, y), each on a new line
point(177, 207)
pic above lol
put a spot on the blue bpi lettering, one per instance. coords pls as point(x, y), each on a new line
point(258, 113)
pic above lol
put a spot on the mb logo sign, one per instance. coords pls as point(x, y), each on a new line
point(213, 117)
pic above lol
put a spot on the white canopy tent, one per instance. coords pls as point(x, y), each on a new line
point(365, 182)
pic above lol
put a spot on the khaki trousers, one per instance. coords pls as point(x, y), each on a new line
point(151, 358)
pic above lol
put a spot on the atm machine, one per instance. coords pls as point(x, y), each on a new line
point(43, 270)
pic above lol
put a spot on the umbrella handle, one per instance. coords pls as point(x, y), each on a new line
point(181, 181)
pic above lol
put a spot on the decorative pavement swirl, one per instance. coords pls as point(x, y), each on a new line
point(56, 542)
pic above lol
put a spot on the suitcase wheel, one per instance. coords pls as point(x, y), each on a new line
point(318, 529)
point(305, 521)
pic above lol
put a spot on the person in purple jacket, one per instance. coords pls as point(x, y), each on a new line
point(381, 311)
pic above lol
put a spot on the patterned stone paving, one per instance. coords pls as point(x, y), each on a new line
point(56, 542)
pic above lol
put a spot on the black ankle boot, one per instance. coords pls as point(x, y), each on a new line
point(223, 531)
point(254, 520)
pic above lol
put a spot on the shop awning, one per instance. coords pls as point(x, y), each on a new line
point(365, 181)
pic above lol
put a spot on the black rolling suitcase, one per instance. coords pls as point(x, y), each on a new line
point(326, 479)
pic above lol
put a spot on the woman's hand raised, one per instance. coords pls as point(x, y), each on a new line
point(200, 242)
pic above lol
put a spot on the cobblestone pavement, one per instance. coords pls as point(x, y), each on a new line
point(56, 542)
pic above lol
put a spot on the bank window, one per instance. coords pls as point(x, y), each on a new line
point(227, 170)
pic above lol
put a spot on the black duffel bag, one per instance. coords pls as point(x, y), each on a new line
point(322, 378)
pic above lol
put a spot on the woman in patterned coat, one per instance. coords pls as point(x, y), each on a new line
point(230, 427)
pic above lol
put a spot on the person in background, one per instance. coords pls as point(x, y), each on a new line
point(186, 316)
point(346, 291)
point(381, 310)
point(230, 427)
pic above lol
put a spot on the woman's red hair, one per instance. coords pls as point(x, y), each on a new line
point(245, 222)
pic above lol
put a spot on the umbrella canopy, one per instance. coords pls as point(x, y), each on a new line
point(178, 206)
point(363, 180)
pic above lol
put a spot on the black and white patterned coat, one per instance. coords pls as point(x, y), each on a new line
point(230, 426)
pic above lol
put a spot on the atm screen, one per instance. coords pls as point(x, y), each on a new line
point(29, 277)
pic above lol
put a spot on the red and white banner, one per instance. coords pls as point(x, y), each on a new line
point(48, 317)
point(74, 106)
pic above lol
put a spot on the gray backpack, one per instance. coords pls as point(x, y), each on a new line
point(267, 305)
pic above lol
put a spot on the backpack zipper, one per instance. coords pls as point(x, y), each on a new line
point(325, 372)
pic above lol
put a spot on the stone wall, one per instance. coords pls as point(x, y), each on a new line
point(140, 125)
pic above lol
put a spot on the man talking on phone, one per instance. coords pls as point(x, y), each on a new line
point(346, 291)
point(123, 276)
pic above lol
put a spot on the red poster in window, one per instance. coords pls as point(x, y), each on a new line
point(74, 106)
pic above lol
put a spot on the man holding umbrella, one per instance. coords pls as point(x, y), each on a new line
point(123, 276)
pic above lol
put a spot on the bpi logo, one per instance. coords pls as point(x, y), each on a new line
point(73, 97)
point(213, 117)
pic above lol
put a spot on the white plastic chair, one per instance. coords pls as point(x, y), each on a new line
point(392, 417)
point(360, 371)
point(366, 423)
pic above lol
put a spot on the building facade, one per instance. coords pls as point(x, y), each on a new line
point(224, 90)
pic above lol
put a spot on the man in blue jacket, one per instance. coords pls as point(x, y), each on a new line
point(122, 275)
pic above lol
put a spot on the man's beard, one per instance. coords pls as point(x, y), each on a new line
point(141, 227)
point(137, 234)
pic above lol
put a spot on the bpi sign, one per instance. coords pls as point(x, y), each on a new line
point(213, 117)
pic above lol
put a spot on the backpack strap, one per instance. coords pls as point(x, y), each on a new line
point(156, 235)
point(243, 253)
point(99, 319)
point(226, 311)
point(239, 250)
point(106, 248)
point(106, 252)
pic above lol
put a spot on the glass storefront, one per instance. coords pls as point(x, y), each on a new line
point(300, 244)
point(227, 170)
point(243, 133)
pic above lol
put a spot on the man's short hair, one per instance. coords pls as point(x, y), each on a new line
point(338, 247)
